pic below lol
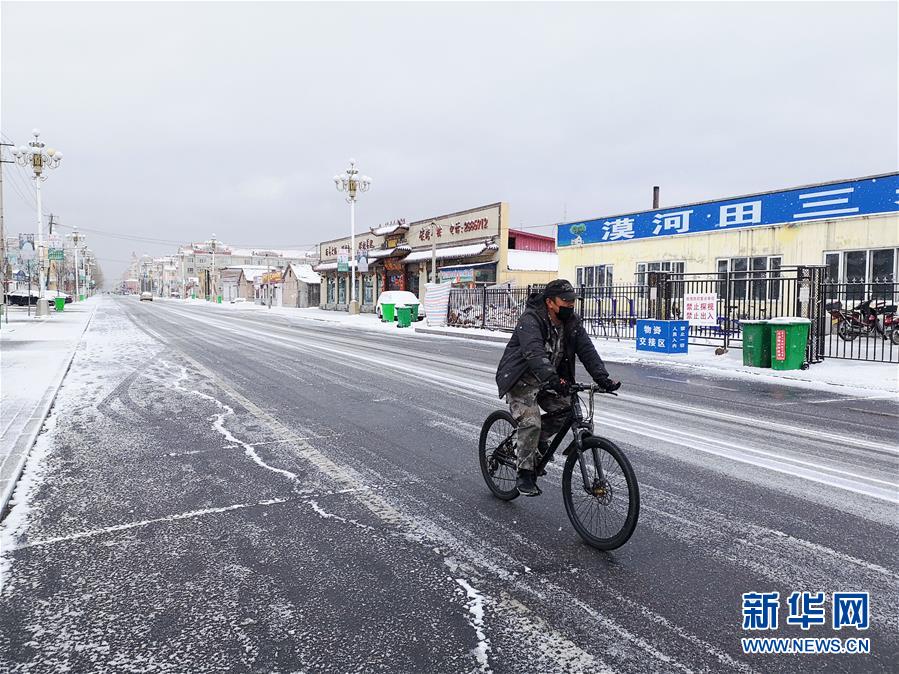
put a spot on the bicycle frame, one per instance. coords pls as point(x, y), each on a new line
point(581, 426)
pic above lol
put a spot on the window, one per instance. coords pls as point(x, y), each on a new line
point(598, 275)
point(332, 287)
point(367, 288)
point(669, 266)
point(832, 262)
point(859, 267)
point(341, 291)
point(855, 263)
point(756, 278)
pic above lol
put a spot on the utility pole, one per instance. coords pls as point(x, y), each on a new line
point(433, 251)
point(51, 263)
point(3, 261)
point(76, 238)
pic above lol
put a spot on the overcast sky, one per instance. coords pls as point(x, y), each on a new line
point(178, 120)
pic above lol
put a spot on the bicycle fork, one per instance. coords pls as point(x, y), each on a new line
point(589, 481)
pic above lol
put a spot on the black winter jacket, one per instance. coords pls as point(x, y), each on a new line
point(526, 351)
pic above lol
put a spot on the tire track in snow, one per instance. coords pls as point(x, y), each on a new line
point(423, 531)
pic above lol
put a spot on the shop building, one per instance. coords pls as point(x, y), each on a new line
point(301, 286)
point(472, 248)
point(239, 282)
point(850, 226)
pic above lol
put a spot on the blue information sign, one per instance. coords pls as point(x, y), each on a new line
point(662, 336)
point(820, 202)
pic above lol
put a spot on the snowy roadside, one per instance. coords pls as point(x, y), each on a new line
point(842, 377)
point(35, 354)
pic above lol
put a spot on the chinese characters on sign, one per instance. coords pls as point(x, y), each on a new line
point(679, 221)
point(455, 228)
point(806, 609)
point(621, 228)
point(859, 197)
point(780, 344)
point(746, 213)
point(662, 336)
point(700, 309)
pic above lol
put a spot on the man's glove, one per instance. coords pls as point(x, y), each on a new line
point(558, 385)
point(608, 385)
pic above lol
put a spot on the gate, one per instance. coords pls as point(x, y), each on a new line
point(852, 332)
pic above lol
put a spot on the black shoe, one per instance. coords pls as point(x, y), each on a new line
point(527, 483)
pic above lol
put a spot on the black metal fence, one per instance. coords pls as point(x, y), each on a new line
point(491, 308)
point(612, 311)
point(856, 321)
point(860, 321)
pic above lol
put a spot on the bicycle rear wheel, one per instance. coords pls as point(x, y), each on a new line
point(606, 515)
point(496, 454)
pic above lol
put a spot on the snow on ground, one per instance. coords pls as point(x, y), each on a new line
point(842, 377)
point(34, 354)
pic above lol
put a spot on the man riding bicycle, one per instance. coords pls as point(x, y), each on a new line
point(535, 370)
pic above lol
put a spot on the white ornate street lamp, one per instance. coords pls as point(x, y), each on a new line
point(212, 278)
point(352, 183)
point(37, 158)
point(77, 238)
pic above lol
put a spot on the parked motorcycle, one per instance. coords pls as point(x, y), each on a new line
point(870, 316)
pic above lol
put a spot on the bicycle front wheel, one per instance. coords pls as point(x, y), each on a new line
point(496, 454)
point(604, 511)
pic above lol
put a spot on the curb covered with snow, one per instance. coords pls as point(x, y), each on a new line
point(24, 443)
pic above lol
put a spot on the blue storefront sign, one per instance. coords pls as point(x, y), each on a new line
point(662, 336)
point(820, 202)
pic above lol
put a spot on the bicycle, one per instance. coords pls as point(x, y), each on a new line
point(606, 496)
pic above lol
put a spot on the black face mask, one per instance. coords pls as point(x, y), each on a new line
point(564, 313)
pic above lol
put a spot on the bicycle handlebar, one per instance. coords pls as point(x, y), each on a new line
point(591, 387)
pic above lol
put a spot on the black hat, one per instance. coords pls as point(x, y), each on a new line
point(560, 288)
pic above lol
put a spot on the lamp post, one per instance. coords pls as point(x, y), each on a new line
point(35, 156)
point(76, 239)
point(352, 183)
point(212, 279)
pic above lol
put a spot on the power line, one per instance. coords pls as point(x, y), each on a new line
point(170, 242)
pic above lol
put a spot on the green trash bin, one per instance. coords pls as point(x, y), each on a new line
point(403, 316)
point(387, 312)
point(81, 298)
point(756, 343)
point(414, 310)
point(218, 299)
point(789, 337)
point(60, 303)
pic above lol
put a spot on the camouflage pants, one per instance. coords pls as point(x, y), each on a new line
point(525, 400)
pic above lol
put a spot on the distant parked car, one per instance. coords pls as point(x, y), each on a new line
point(146, 296)
point(238, 300)
point(398, 297)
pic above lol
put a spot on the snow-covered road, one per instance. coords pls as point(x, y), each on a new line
point(220, 491)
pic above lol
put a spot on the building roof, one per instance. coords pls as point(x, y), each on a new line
point(471, 250)
point(518, 232)
point(386, 230)
point(249, 271)
point(305, 273)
